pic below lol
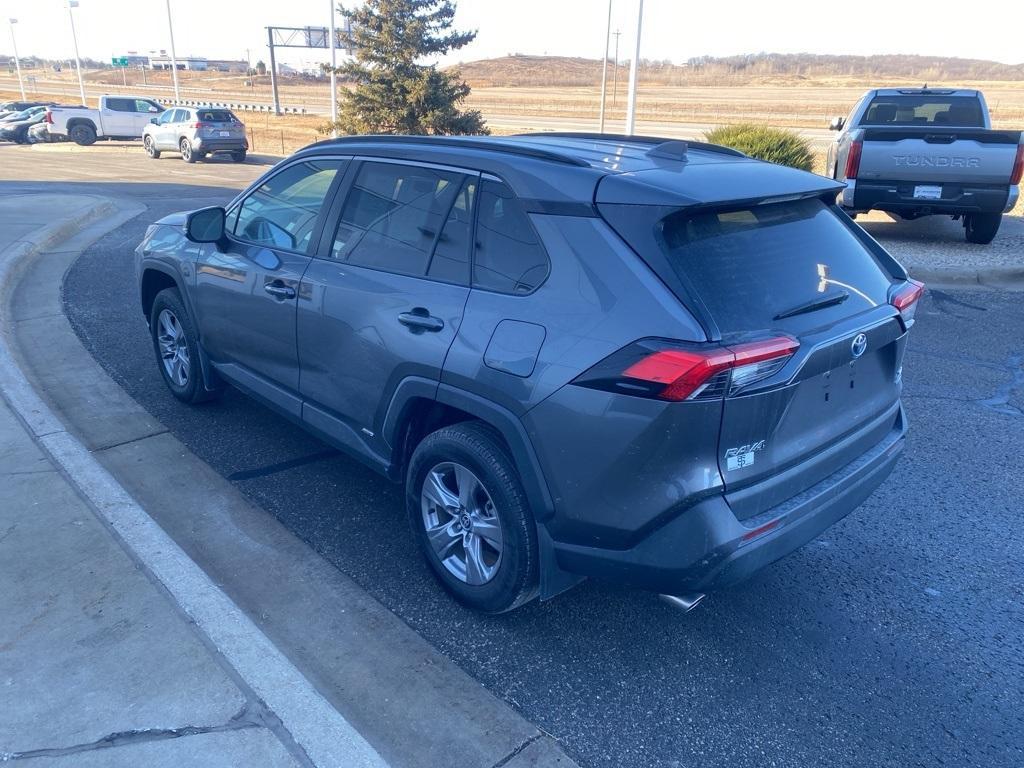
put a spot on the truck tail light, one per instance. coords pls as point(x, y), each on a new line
point(675, 371)
point(1018, 166)
point(905, 298)
point(48, 118)
point(853, 159)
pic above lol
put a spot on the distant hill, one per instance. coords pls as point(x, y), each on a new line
point(520, 70)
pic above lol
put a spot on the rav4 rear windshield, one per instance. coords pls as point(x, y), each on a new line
point(215, 116)
point(758, 267)
point(925, 109)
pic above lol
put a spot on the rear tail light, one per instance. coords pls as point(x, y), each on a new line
point(48, 118)
point(853, 159)
point(200, 125)
point(674, 371)
point(1018, 166)
point(905, 298)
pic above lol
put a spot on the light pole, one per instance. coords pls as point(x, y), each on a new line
point(634, 66)
point(334, 75)
point(72, 4)
point(615, 69)
point(17, 62)
point(604, 63)
point(174, 58)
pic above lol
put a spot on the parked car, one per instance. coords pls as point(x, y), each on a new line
point(923, 151)
point(10, 107)
point(16, 130)
point(662, 364)
point(24, 114)
point(118, 117)
point(196, 132)
point(39, 134)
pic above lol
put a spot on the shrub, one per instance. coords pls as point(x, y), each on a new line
point(776, 145)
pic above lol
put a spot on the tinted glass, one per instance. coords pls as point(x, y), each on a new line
point(924, 109)
point(508, 257)
point(214, 115)
point(121, 105)
point(450, 261)
point(394, 215)
point(167, 117)
point(751, 266)
point(282, 212)
point(141, 105)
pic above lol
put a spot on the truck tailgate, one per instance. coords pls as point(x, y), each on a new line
point(960, 155)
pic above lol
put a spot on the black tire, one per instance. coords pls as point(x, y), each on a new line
point(150, 147)
point(83, 134)
point(186, 151)
point(239, 156)
point(981, 228)
point(192, 389)
point(478, 447)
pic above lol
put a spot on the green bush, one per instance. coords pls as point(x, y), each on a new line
point(775, 145)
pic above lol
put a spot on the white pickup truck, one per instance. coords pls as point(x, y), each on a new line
point(119, 117)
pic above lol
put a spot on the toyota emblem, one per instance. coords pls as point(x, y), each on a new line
point(859, 345)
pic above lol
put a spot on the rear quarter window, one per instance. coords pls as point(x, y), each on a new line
point(750, 266)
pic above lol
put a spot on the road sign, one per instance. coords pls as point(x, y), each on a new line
point(119, 61)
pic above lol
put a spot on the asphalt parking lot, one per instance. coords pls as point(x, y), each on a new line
point(893, 640)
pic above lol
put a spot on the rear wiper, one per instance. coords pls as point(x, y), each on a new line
point(813, 306)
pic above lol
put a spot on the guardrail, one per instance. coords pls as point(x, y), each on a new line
point(239, 106)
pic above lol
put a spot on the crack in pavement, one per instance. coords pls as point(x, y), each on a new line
point(245, 718)
point(1000, 401)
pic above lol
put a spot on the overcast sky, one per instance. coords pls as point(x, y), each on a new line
point(673, 29)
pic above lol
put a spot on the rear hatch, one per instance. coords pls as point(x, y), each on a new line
point(793, 269)
point(219, 124)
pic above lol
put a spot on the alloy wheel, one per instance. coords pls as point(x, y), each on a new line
point(173, 348)
point(462, 523)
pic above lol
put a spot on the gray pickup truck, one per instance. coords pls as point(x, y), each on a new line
point(917, 152)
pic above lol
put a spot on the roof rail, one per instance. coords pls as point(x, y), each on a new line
point(491, 145)
point(702, 145)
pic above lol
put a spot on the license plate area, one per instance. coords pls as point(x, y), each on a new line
point(927, 192)
point(225, 133)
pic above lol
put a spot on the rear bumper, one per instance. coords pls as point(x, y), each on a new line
point(219, 145)
point(898, 197)
point(707, 547)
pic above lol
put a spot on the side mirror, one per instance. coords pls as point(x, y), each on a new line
point(205, 225)
point(837, 123)
point(153, 120)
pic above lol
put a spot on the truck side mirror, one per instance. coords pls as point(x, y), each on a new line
point(837, 123)
point(205, 225)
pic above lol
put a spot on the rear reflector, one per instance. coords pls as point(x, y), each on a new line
point(761, 530)
point(1018, 166)
point(674, 371)
point(853, 159)
point(905, 298)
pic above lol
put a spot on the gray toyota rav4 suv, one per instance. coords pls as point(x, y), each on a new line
point(659, 363)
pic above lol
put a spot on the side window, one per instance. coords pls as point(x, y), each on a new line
point(167, 117)
point(394, 215)
point(181, 116)
point(142, 105)
point(508, 257)
point(450, 260)
point(121, 105)
point(282, 212)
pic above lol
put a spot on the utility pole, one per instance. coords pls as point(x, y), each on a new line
point(334, 74)
point(604, 64)
point(74, 39)
point(174, 58)
point(17, 61)
point(615, 68)
point(634, 66)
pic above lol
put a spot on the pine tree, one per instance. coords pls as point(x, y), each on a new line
point(394, 92)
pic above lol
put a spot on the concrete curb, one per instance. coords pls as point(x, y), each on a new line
point(1006, 278)
point(319, 730)
point(123, 148)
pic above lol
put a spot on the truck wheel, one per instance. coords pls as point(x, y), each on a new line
point(981, 228)
point(186, 151)
point(471, 518)
point(83, 134)
point(151, 149)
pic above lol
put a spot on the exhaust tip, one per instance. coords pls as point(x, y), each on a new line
point(685, 603)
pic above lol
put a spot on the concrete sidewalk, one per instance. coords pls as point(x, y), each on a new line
point(97, 666)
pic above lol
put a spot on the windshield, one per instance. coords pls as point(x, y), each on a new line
point(754, 267)
point(216, 116)
point(925, 109)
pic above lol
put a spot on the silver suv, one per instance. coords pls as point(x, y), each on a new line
point(196, 132)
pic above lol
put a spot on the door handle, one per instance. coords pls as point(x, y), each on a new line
point(279, 291)
point(419, 320)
